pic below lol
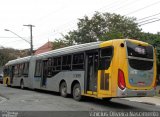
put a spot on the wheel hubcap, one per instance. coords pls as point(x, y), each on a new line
point(22, 86)
point(64, 90)
point(77, 92)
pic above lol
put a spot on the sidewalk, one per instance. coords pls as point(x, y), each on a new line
point(148, 100)
point(158, 90)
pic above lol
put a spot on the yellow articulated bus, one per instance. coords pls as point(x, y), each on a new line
point(115, 68)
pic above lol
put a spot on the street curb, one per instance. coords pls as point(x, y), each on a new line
point(157, 97)
point(149, 103)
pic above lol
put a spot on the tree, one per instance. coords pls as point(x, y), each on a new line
point(104, 26)
point(59, 43)
point(7, 54)
point(153, 39)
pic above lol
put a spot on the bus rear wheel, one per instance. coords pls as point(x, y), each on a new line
point(77, 92)
point(63, 89)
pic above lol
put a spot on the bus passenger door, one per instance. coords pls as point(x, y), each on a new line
point(91, 72)
point(11, 74)
point(104, 72)
point(104, 83)
point(44, 73)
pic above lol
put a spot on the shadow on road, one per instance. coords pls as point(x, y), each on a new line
point(111, 104)
point(115, 103)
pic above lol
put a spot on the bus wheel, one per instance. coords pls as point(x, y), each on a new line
point(77, 92)
point(22, 84)
point(63, 89)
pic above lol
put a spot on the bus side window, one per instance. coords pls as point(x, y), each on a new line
point(26, 69)
point(59, 63)
point(12, 71)
point(56, 65)
point(50, 66)
point(66, 63)
point(16, 70)
point(78, 61)
point(38, 68)
point(105, 57)
point(21, 66)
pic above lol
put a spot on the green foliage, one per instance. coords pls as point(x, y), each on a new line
point(153, 39)
point(7, 54)
point(104, 26)
point(59, 43)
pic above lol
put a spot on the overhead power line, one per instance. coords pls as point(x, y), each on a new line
point(149, 22)
point(112, 5)
point(108, 6)
point(124, 5)
point(148, 16)
point(143, 8)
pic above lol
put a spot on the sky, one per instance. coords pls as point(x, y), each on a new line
point(52, 18)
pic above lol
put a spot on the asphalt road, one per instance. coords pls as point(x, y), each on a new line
point(40, 103)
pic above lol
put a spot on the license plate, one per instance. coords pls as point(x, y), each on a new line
point(141, 94)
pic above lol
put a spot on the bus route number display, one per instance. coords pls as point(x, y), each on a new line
point(140, 50)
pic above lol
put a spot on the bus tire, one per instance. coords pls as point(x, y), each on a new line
point(77, 92)
point(22, 84)
point(63, 89)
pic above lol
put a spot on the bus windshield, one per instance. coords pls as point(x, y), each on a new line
point(140, 57)
point(139, 50)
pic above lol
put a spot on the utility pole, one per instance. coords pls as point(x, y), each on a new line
point(31, 37)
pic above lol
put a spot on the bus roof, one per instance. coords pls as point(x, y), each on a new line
point(70, 49)
point(18, 60)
